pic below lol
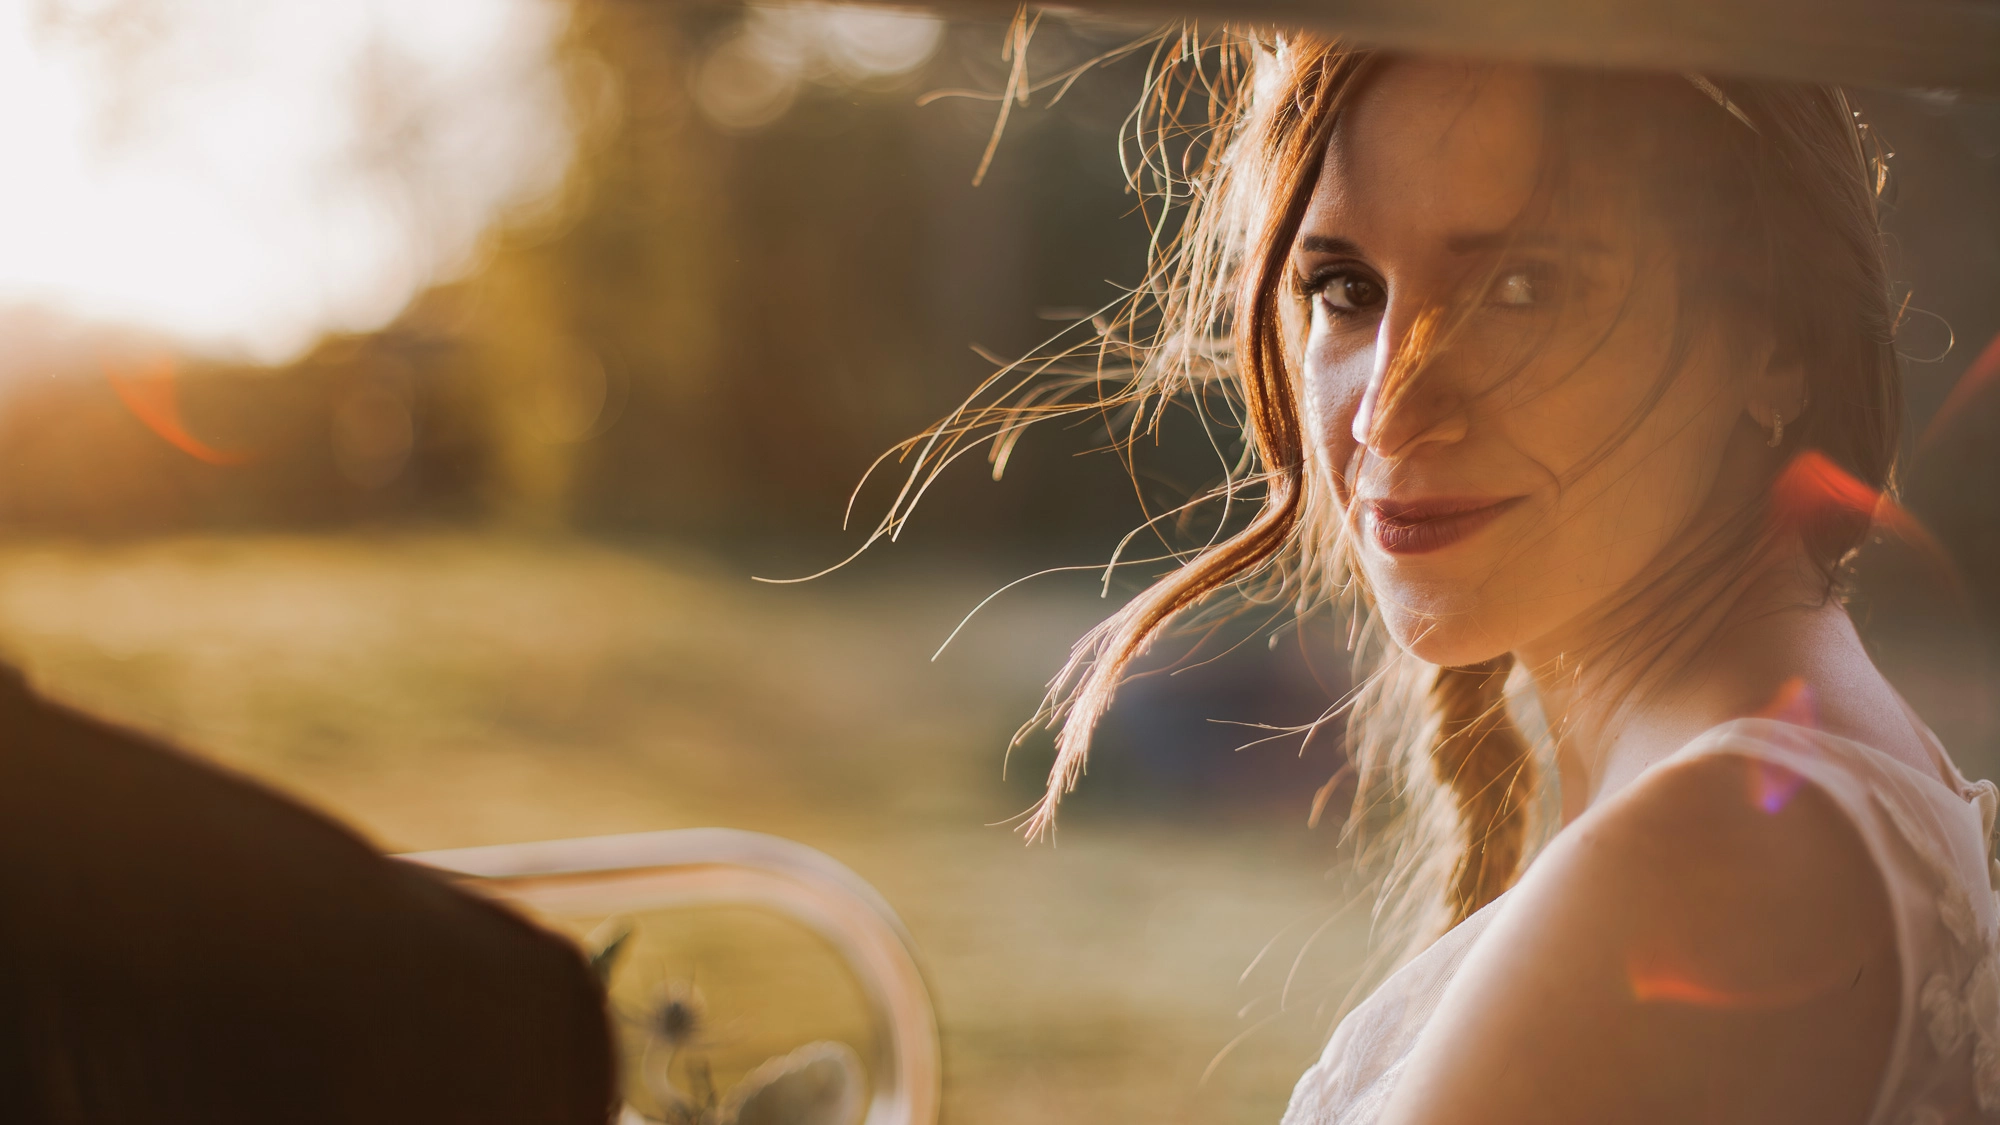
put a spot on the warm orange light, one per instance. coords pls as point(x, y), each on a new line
point(1652, 987)
point(1812, 487)
point(1655, 983)
point(151, 392)
point(1984, 372)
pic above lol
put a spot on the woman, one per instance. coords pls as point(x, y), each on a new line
point(1585, 381)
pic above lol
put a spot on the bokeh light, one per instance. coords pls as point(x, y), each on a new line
point(751, 78)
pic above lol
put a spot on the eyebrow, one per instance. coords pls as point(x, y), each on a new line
point(1477, 242)
point(1324, 244)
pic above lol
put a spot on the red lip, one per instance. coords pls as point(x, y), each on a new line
point(1418, 527)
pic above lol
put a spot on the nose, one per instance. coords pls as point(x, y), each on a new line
point(1409, 402)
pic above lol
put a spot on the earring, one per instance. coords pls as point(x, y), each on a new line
point(1777, 430)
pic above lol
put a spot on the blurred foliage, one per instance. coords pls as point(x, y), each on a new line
point(711, 334)
point(716, 327)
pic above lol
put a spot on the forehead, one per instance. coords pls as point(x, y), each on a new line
point(1434, 145)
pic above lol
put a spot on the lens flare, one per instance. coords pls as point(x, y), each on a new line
point(1771, 785)
point(151, 391)
point(1794, 703)
point(1984, 372)
point(1812, 488)
point(1657, 980)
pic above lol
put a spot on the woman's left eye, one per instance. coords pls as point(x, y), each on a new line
point(1518, 288)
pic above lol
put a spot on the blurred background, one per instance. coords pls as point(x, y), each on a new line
point(397, 402)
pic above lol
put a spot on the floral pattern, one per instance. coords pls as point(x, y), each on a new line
point(1948, 1019)
point(1961, 1001)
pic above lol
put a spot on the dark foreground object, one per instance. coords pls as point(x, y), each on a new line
point(178, 945)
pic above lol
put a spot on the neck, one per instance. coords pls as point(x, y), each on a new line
point(1626, 687)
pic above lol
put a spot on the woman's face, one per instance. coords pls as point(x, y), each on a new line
point(1524, 475)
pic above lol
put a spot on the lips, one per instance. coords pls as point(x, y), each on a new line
point(1421, 526)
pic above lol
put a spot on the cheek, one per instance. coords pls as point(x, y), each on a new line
point(1679, 450)
point(1333, 383)
point(1618, 507)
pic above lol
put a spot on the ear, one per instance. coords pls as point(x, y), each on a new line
point(1777, 384)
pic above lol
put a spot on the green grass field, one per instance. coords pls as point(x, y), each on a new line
point(444, 691)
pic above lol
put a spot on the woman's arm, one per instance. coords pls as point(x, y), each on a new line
point(1678, 955)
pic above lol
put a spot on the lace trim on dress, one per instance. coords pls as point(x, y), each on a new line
point(1960, 1000)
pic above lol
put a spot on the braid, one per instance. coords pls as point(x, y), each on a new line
point(1484, 761)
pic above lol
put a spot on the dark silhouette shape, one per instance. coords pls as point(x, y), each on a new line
point(180, 945)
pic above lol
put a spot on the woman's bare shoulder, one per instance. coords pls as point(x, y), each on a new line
point(1689, 950)
point(1729, 821)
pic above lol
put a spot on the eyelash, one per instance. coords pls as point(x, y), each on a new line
point(1539, 276)
point(1315, 286)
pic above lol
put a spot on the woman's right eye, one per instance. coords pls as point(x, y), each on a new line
point(1348, 292)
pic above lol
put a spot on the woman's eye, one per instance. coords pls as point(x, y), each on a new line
point(1350, 292)
point(1518, 288)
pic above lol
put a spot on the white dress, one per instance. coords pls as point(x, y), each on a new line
point(1931, 841)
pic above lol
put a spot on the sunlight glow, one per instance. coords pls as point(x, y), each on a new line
point(242, 176)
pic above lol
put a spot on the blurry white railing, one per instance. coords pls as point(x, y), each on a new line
point(606, 875)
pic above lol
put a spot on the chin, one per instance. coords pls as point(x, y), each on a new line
point(1449, 639)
